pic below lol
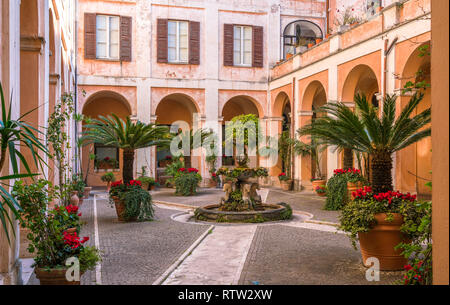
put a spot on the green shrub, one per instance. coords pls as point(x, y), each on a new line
point(108, 177)
point(337, 195)
point(138, 202)
point(186, 181)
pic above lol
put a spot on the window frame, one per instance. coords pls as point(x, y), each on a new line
point(177, 42)
point(242, 44)
point(108, 38)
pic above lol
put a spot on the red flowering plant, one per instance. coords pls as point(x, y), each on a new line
point(359, 215)
point(283, 177)
point(186, 181)
point(50, 243)
point(322, 189)
point(138, 202)
point(68, 217)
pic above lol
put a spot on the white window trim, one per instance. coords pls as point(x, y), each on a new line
point(177, 44)
point(108, 39)
point(242, 51)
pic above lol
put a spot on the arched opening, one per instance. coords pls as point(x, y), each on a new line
point(414, 162)
point(99, 159)
point(362, 80)
point(282, 112)
point(314, 97)
point(172, 108)
point(299, 33)
point(236, 106)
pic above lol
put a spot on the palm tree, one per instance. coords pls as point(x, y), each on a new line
point(127, 135)
point(16, 134)
point(365, 131)
point(312, 149)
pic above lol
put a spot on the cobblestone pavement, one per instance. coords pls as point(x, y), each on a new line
point(282, 255)
point(306, 201)
point(135, 253)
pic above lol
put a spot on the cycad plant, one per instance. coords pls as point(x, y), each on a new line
point(379, 136)
point(15, 137)
point(127, 135)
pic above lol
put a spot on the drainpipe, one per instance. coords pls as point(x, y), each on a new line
point(76, 85)
point(327, 17)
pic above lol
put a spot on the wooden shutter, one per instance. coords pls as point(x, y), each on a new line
point(90, 39)
point(194, 42)
point(258, 47)
point(125, 38)
point(228, 44)
point(161, 33)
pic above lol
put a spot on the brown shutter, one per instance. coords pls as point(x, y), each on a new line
point(125, 38)
point(90, 31)
point(258, 46)
point(161, 33)
point(194, 42)
point(228, 44)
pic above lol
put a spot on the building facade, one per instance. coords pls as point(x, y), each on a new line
point(37, 65)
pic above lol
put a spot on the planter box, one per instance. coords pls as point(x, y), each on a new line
point(54, 277)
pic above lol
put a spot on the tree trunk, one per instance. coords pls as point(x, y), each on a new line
point(128, 161)
point(381, 172)
point(348, 158)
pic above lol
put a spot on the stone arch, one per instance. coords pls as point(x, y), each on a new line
point(241, 104)
point(361, 79)
point(314, 97)
point(103, 103)
point(174, 107)
point(282, 113)
point(413, 168)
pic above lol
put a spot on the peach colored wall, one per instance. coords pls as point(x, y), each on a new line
point(321, 77)
point(259, 98)
point(107, 67)
point(440, 120)
point(414, 8)
point(128, 93)
point(373, 61)
point(275, 106)
point(362, 32)
point(197, 96)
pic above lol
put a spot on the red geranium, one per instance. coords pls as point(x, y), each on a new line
point(73, 240)
point(182, 169)
point(117, 183)
point(71, 209)
point(135, 182)
point(192, 170)
point(282, 174)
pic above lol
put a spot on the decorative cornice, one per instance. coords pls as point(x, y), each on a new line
point(31, 43)
point(305, 113)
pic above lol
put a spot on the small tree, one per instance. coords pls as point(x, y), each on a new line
point(127, 135)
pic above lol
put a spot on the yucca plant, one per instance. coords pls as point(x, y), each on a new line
point(16, 135)
point(379, 136)
point(127, 135)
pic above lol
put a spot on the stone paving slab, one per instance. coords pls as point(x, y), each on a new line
point(135, 253)
point(282, 255)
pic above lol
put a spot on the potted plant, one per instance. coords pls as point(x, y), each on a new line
point(321, 190)
point(148, 183)
point(211, 160)
point(172, 170)
point(166, 161)
point(376, 219)
point(186, 181)
point(78, 186)
point(49, 238)
point(131, 201)
point(108, 178)
point(310, 45)
point(318, 40)
point(354, 181)
point(312, 149)
point(68, 218)
point(285, 182)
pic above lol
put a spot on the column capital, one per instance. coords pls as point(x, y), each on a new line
point(305, 113)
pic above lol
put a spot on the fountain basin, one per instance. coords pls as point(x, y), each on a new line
point(271, 212)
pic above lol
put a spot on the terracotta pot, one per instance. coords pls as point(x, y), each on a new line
point(352, 187)
point(74, 200)
point(145, 186)
point(318, 40)
point(316, 183)
point(212, 183)
point(87, 191)
point(71, 230)
point(120, 210)
point(381, 240)
point(289, 55)
point(152, 187)
point(310, 45)
point(286, 185)
point(321, 194)
point(353, 24)
point(54, 277)
point(327, 36)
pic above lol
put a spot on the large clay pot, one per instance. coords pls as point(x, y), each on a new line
point(71, 230)
point(352, 187)
point(286, 185)
point(316, 183)
point(381, 240)
point(120, 210)
point(74, 200)
point(54, 277)
point(87, 191)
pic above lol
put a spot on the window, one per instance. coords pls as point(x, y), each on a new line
point(298, 34)
point(108, 37)
point(242, 46)
point(177, 41)
point(106, 157)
